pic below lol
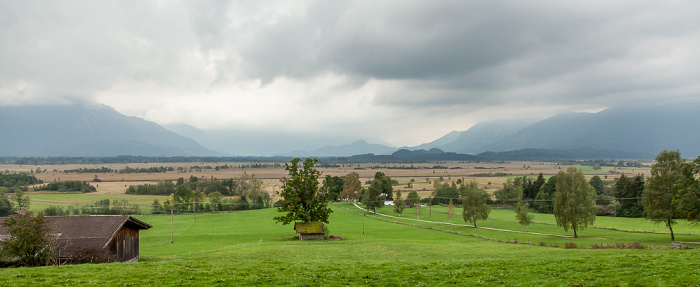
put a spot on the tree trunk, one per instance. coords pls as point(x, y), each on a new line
point(668, 223)
point(474, 217)
point(575, 235)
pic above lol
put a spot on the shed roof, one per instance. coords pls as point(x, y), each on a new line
point(76, 233)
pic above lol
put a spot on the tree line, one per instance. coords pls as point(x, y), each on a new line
point(67, 186)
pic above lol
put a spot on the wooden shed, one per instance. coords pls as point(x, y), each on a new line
point(309, 230)
point(79, 236)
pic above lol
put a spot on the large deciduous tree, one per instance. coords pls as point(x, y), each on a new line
point(352, 187)
point(301, 199)
point(574, 201)
point(413, 198)
point(379, 189)
point(474, 203)
point(332, 186)
point(668, 190)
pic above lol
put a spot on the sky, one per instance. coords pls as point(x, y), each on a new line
point(405, 72)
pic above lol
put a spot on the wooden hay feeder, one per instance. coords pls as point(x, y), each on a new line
point(309, 230)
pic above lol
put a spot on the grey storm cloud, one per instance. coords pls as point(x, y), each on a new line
point(441, 56)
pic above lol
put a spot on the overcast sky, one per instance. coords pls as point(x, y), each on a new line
point(407, 72)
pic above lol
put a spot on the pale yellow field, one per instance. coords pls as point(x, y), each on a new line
point(115, 183)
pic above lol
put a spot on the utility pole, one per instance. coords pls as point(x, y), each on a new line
point(171, 225)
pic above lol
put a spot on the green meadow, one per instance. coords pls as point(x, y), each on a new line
point(40, 201)
point(249, 248)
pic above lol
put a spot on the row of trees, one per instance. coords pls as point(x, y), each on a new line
point(14, 181)
point(67, 186)
point(245, 185)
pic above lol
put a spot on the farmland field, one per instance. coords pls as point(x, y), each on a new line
point(248, 248)
point(422, 174)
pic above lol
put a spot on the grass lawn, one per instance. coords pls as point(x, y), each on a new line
point(548, 233)
point(40, 201)
point(248, 248)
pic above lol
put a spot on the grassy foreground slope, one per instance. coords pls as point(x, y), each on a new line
point(248, 248)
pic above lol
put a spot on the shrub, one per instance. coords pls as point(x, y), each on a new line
point(570, 245)
point(29, 242)
point(636, 245)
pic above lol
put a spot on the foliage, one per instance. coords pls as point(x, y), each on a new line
point(379, 189)
point(510, 193)
point(5, 203)
point(413, 198)
point(691, 197)
point(190, 194)
point(597, 183)
point(21, 201)
point(444, 192)
point(12, 181)
point(54, 210)
point(522, 214)
point(544, 201)
point(399, 203)
point(333, 186)
point(89, 170)
point(352, 187)
point(300, 197)
point(162, 187)
point(152, 169)
point(29, 240)
point(530, 187)
point(667, 189)
point(450, 210)
point(574, 202)
point(474, 203)
point(629, 193)
point(107, 207)
point(67, 186)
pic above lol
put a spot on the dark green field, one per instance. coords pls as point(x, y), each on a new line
point(248, 248)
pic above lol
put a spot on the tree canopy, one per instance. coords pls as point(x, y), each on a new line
point(379, 189)
point(574, 201)
point(29, 240)
point(301, 199)
point(352, 187)
point(399, 204)
point(475, 203)
point(669, 190)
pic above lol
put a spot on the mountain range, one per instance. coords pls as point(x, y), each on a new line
point(79, 130)
point(630, 131)
point(634, 131)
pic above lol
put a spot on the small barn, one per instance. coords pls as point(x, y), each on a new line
point(309, 230)
point(81, 236)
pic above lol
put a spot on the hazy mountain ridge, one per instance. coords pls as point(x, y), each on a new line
point(624, 132)
point(635, 131)
point(78, 130)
